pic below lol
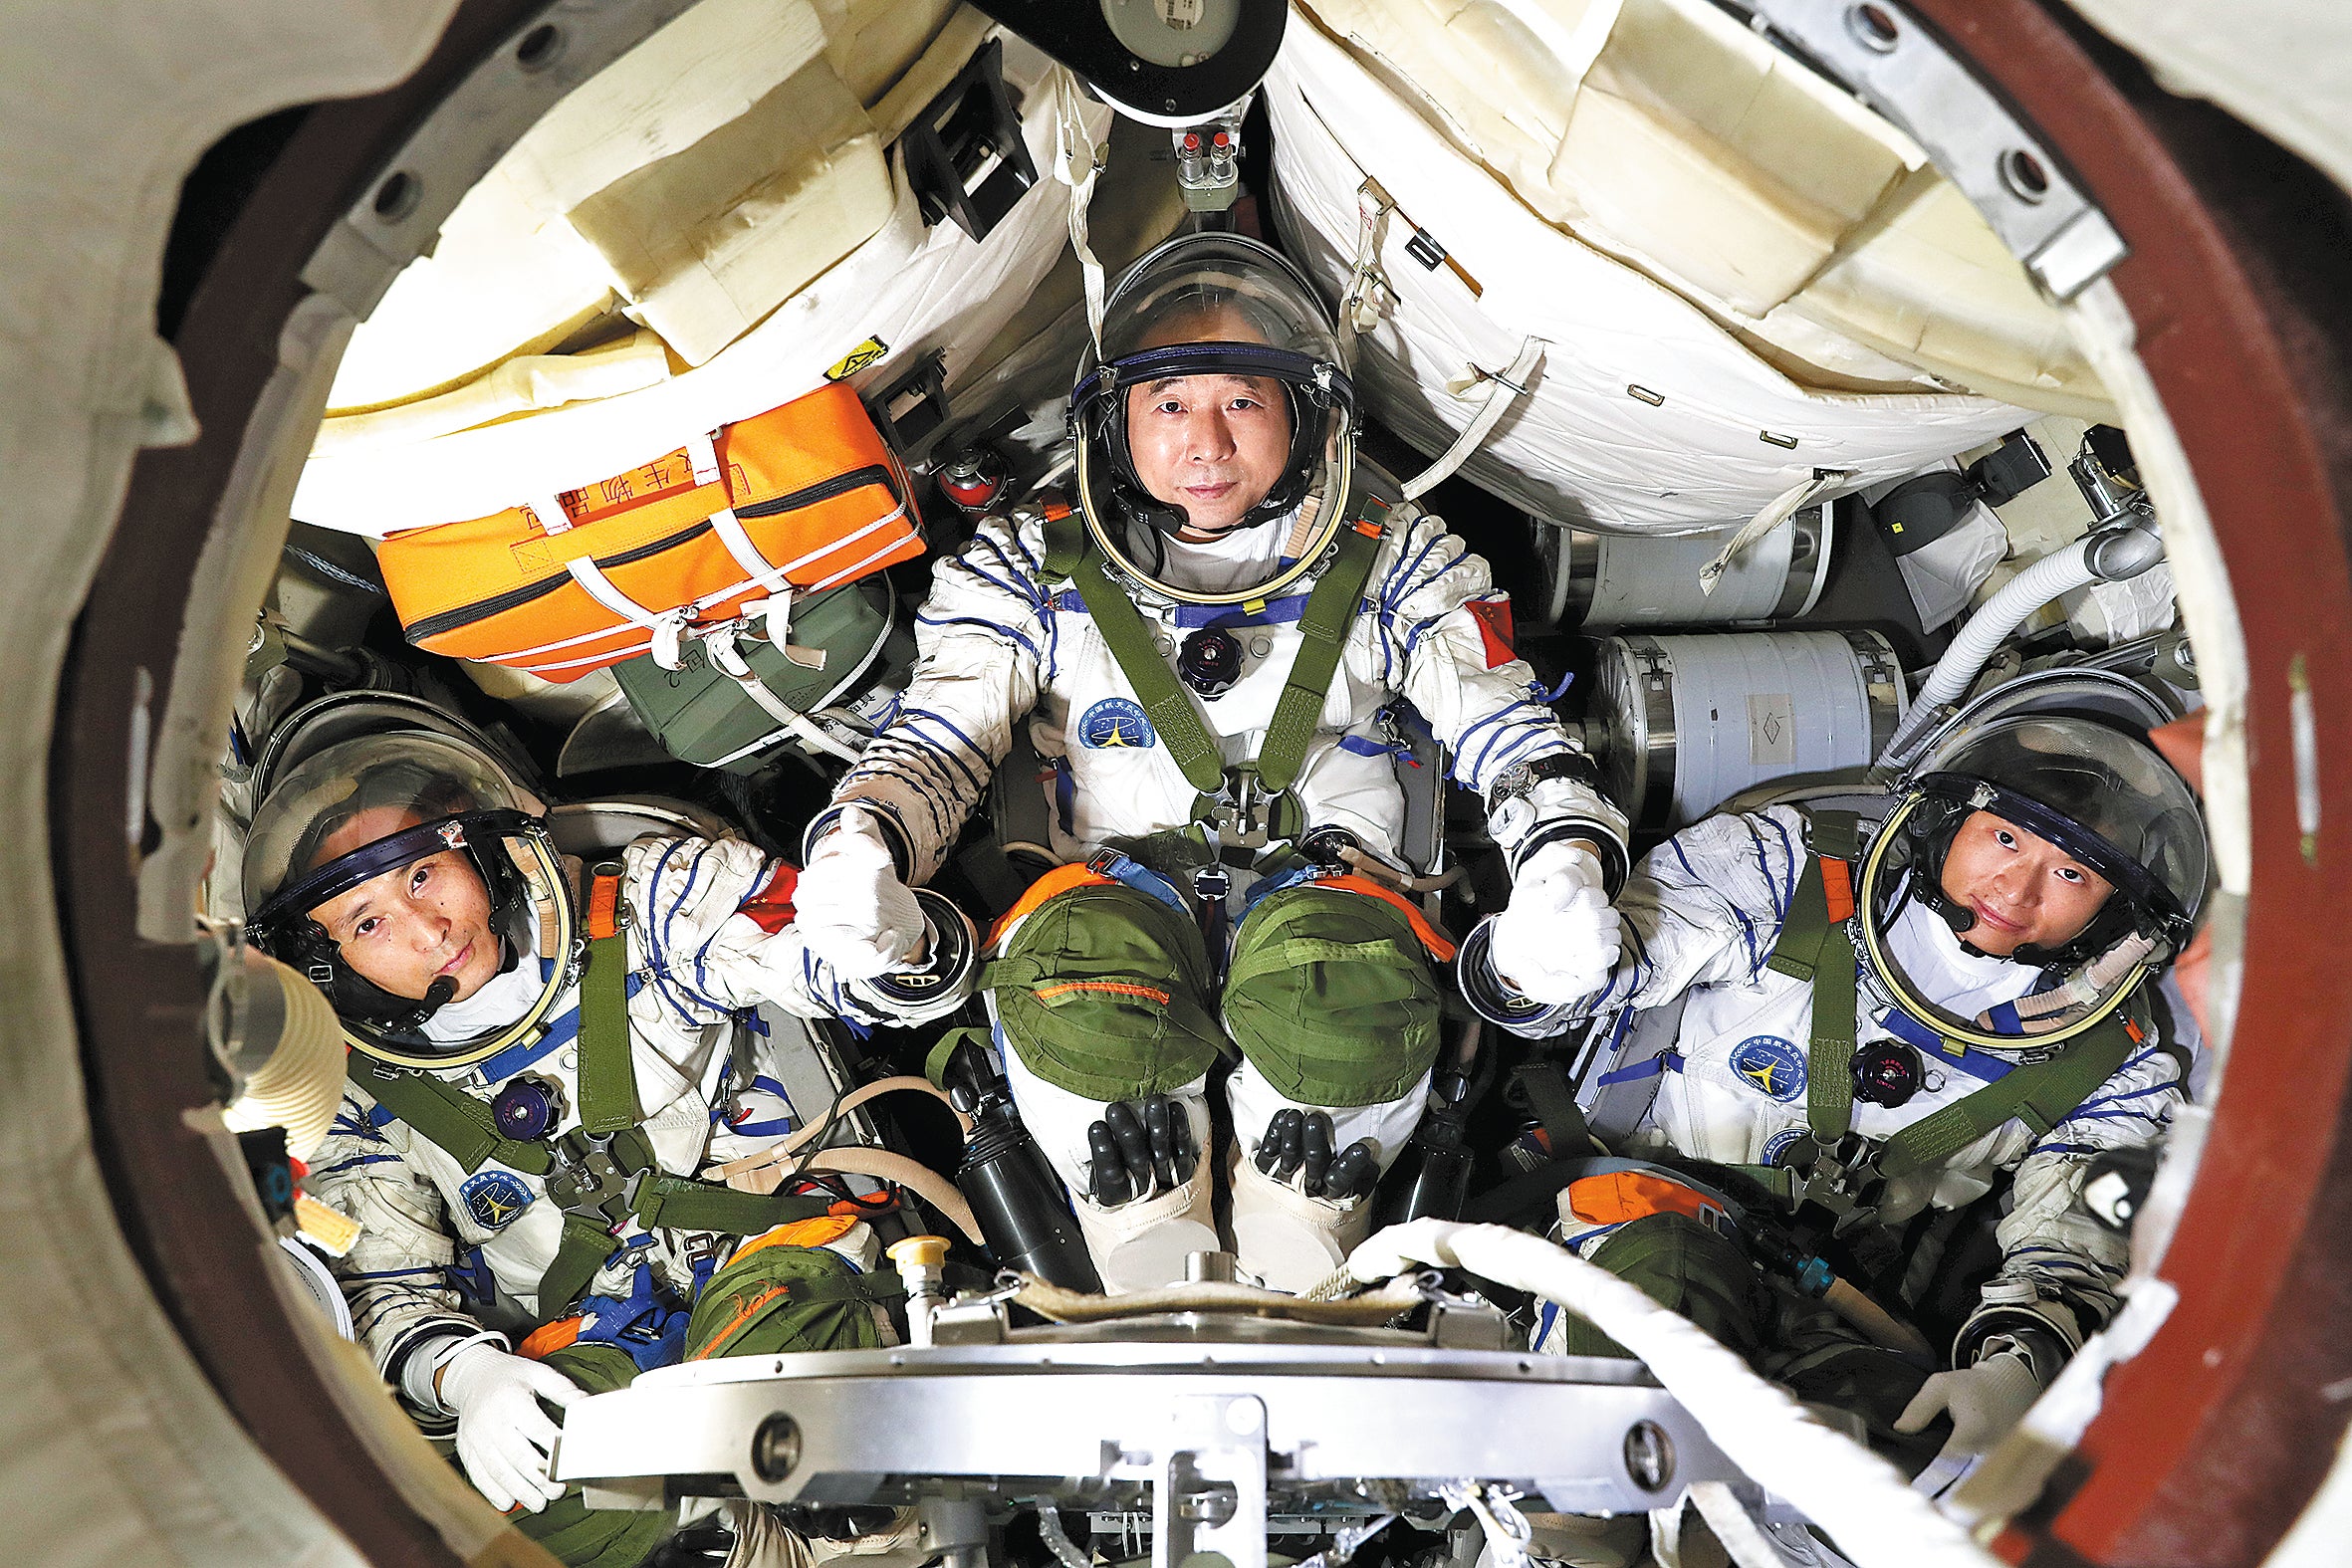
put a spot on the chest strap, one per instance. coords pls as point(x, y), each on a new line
point(602, 1175)
point(1330, 610)
point(1817, 946)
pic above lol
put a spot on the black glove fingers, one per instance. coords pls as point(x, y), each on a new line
point(1134, 1143)
point(1159, 1119)
point(1186, 1154)
point(1110, 1184)
point(1317, 1152)
point(1354, 1172)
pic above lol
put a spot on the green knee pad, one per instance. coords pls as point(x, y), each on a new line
point(1331, 997)
point(573, 1532)
point(780, 1298)
point(1101, 991)
point(1682, 1266)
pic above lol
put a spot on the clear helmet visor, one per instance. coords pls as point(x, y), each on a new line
point(1217, 404)
point(402, 873)
point(2107, 803)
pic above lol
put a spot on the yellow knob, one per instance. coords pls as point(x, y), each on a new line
point(919, 1251)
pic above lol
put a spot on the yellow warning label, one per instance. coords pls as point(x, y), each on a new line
point(858, 358)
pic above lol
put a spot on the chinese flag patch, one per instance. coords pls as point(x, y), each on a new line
point(1493, 628)
point(771, 905)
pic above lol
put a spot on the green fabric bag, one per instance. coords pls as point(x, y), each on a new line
point(783, 1298)
point(1102, 991)
point(574, 1533)
point(1331, 997)
point(705, 717)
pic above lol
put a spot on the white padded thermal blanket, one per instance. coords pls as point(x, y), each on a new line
point(1645, 414)
point(909, 288)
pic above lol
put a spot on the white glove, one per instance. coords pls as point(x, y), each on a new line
point(504, 1439)
point(850, 906)
point(1984, 1401)
point(1557, 939)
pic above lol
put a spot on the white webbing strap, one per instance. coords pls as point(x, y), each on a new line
point(729, 661)
point(1360, 308)
point(1787, 503)
point(667, 627)
point(1501, 391)
point(702, 451)
point(1077, 164)
point(549, 510)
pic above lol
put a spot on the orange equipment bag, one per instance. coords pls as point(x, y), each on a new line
point(801, 498)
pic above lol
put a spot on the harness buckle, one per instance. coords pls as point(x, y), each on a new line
point(1210, 884)
point(1844, 1180)
point(1241, 815)
point(588, 1182)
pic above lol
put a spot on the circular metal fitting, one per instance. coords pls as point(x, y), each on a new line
point(775, 1448)
point(1649, 1456)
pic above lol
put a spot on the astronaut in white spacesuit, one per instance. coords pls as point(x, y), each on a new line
point(1880, 1016)
point(539, 1078)
point(1212, 652)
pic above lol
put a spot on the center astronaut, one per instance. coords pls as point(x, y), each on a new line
point(1214, 649)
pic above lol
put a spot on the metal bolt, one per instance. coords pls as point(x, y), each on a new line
point(1211, 1506)
point(775, 1448)
point(1649, 1456)
point(1873, 28)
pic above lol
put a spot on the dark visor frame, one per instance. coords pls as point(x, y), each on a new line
point(1214, 359)
point(344, 872)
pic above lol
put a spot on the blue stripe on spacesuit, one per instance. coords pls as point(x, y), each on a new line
point(1517, 712)
point(1018, 588)
point(984, 625)
point(355, 1161)
point(672, 987)
point(1976, 1063)
point(1763, 869)
point(1539, 740)
point(909, 717)
point(561, 1032)
point(1665, 1061)
point(391, 1273)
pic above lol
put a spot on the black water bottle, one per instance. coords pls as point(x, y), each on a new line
point(1432, 1176)
point(1013, 1192)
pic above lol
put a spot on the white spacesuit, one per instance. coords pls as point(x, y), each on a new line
point(406, 874)
point(1220, 552)
point(1740, 920)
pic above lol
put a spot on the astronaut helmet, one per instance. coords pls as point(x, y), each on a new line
point(403, 872)
point(2106, 802)
point(1224, 316)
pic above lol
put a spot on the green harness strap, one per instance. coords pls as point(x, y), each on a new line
point(608, 1075)
point(447, 1117)
point(1331, 608)
point(2040, 1094)
point(464, 1128)
point(1322, 636)
point(1815, 945)
point(1164, 700)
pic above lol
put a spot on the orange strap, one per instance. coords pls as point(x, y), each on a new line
point(603, 905)
point(545, 1340)
point(1838, 889)
point(1616, 1196)
point(1058, 881)
point(797, 1233)
point(1440, 946)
